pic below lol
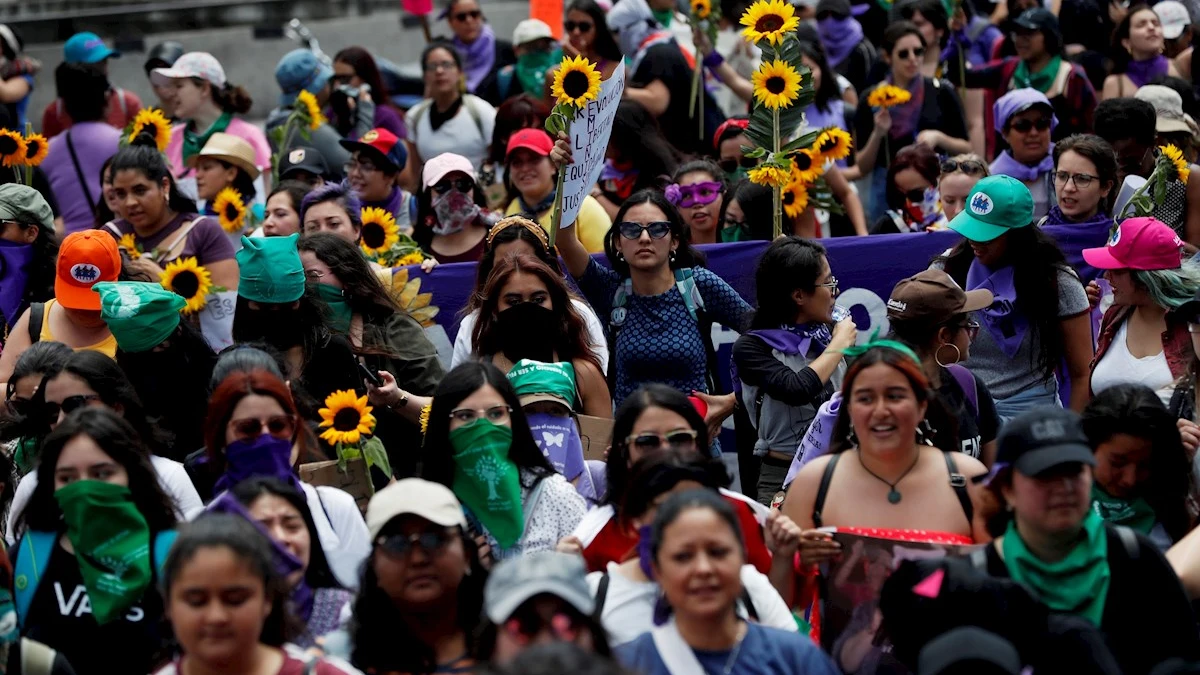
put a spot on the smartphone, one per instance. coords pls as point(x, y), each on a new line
point(368, 375)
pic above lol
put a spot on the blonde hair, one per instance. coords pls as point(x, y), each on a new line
point(966, 157)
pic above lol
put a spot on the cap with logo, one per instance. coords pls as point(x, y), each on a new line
point(1138, 244)
point(1042, 439)
point(537, 381)
point(269, 269)
point(996, 205)
point(25, 205)
point(85, 258)
point(1174, 18)
point(443, 165)
point(140, 314)
point(432, 501)
point(531, 30)
point(229, 149)
point(193, 64)
point(516, 580)
point(300, 70)
point(1168, 108)
point(933, 296)
point(1039, 19)
point(302, 158)
point(87, 48)
point(383, 146)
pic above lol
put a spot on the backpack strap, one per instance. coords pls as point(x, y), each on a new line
point(418, 111)
point(473, 111)
point(967, 382)
point(1129, 541)
point(959, 483)
point(37, 316)
point(504, 80)
point(171, 247)
point(36, 658)
point(163, 541)
point(823, 489)
point(32, 557)
point(601, 596)
point(748, 603)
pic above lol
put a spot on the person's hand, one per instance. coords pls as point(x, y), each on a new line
point(932, 138)
point(817, 547)
point(1189, 433)
point(703, 44)
point(883, 121)
point(561, 154)
point(845, 334)
point(782, 535)
point(719, 408)
point(485, 551)
point(959, 20)
point(386, 394)
point(428, 264)
point(570, 545)
point(144, 267)
point(857, 548)
point(1093, 294)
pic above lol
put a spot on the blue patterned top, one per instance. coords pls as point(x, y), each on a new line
point(660, 341)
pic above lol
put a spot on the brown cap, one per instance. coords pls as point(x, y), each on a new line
point(934, 297)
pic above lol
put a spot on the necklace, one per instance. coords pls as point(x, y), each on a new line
point(737, 649)
point(894, 495)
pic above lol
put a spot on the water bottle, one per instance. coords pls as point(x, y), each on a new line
point(840, 313)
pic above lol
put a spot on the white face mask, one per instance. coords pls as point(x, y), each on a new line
point(454, 210)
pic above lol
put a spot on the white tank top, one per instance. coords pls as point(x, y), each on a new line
point(1120, 367)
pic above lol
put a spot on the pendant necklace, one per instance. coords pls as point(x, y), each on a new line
point(894, 495)
point(737, 649)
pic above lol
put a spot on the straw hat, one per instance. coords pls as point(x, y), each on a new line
point(231, 149)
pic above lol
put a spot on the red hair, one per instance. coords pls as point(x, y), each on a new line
point(229, 394)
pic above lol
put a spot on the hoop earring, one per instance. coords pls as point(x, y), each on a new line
point(957, 354)
point(925, 433)
point(851, 437)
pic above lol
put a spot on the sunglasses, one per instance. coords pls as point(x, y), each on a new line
point(731, 165)
point(903, 54)
point(461, 184)
point(916, 196)
point(697, 194)
point(967, 166)
point(581, 26)
point(1024, 125)
point(676, 440)
point(399, 545)
point(279, 426)
point(20, 407)
point(69, 405)
point(972, 328)
point(633, 231)
point(472, 14)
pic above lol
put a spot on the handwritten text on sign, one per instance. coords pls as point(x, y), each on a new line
point(589, 139)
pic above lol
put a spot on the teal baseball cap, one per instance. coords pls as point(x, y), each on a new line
point(996, 205)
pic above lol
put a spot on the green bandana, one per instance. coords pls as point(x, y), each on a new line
point(486, 480)
point(140, 314)
point(731, 234)
point(269, 270)
point(534, 377)
point(112, 544)
point(531, 72)
point(1077, 584)
point(664, 16)
point(339, 308)
point(1135, 513)
point(734, 177)
point(1042, 80)
point(193, 142)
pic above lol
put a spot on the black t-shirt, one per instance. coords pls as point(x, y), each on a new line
point(941, 109)
point(60, 616)
point(975, 429)
point(666, 63)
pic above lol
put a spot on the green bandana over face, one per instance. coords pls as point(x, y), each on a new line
point(486, 480)
point(339, 307)
point(1134, 513)
point(731, 234)
point(112, 544)
point(531, 72)
point(733, 177)
point(1042, 80)
point(1077, 584)
point(193, 142)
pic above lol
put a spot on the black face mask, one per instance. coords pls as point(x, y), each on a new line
point(281, 329)
point(527, 331)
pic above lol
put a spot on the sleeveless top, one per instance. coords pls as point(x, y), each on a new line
point(107, 346)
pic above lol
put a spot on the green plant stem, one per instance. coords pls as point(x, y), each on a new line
point(777, 213)
point(1118, 217)
point(556, 217)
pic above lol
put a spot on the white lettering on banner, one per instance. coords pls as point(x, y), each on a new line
point(589, 141)
point(78, 604)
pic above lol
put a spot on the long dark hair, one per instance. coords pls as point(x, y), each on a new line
point(312, 316)
point(111, 384)
point(364, 292)
point(522, 111)
point(1122, 57)
point(437, 460)
point(42, 358)
point(1135, 410)
point(120, 441)
point(1036, 261)
point(142, 155)
point(103, 214)
point(828, 91)
point(637, 138)
point(657, 475)
point(678, 503)
point(789, 264)
point(617, 467)
point(368, 71)
point(685, 255)
point(242, 183)
point(39, 285)
point(605, 44)
point(755, 202)
point(318, 574)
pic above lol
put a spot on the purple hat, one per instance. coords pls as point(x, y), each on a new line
point(1018, 101)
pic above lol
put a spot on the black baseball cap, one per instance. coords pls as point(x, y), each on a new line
point(302, 158)
point(980, 650)
point(1041, 439)
point(1038, 18)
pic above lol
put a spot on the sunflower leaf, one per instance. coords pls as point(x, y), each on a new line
point(376, 455)
point(805, 141)
point(760, 129)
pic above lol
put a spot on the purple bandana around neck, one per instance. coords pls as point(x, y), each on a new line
point(479, 56)
point(645, 552)
point(14, 273)
point(839, 37)
point(1006, 325)
point(1057, 217)
point(796, 339)
point(1141, 72)
point(391, 204)
point(1006, 165)
point(906, 116)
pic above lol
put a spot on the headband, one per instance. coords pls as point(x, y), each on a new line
point(725, 126)
point(856, 351)
point(519, 221)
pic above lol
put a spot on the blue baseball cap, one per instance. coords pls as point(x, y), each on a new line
point(87, 48)
point(300, 70)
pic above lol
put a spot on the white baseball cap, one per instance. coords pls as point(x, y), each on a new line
point(432, 501)
point(531, 30)
point(1174, 18)
point(193, 64)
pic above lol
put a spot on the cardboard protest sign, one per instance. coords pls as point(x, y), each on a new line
point(596, 434)
point(589, 140)
point(356, 479)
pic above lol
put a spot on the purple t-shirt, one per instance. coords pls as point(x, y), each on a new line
point(207, 242)
point(94, 143)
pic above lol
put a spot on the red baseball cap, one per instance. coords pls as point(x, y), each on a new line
point(383, 144)
point(85, 259)
point(534, 140)
point(1138, 244)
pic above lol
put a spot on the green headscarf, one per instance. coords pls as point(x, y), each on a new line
point(530, 71)
point(270, 270)
point(139, 314)
point(1077, 584)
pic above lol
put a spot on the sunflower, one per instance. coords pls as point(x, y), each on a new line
point(701, 9)
point(776, 84)
point(576, 82)
point(806, 166)
point(36, 149)
point(152, 117)
point(414, 258)
point(128, 242)
point(888, 95)
point(189, 280)
point(1178, 161)
point(771, 176)
point(308, 103)
point(795, 198)
point(12, 148)
point(769, 20)
point(347, 416)
point(379, 231)
point(425, 417)
point(231, 210)
point(833, 144)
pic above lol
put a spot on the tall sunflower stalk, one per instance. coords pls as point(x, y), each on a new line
point(305, 118)
point(576, 82)
point(1169, 165)
point(705, 18)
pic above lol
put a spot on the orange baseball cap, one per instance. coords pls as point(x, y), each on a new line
point(84, 259)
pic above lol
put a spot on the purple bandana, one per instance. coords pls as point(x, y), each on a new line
point(1006, 325)
point(478, 57)
point(1006, 165)
point(263, 456)
point(14, 273)
point(558, 439)
point(839, 37)
point(393, 204)
point(795, 339)
point(1141, 72)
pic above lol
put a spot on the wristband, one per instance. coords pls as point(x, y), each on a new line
point(714, 60)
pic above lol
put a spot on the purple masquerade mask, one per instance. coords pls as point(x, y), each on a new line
point(696, 194)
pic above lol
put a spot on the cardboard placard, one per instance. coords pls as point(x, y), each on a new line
point(596, 434)
point(589, 133)
point(356, 479)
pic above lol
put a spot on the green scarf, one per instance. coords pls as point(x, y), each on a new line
point(487, 481)
point(1077, 584)
point(112, 544)
point(531, 72)
point(339, 308)
point(193, 142)
point(664, 16)
point(1042, 80)
point(1135, 513)
point(732, 234)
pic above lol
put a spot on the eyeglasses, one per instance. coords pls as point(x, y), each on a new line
point(461, 184)
point(581, 26)
point(361, 167)
point(731, 165)
point(972, 328)
point(1023, 126)
point(279, 426)
point(676, 440)
point(633, 231)
point(398, 545)
point(917, 52)
point(967, 166)
point(19, 406)
point(832, 284)
point(1081, 180)
point(496, 413)
point(470, 14)
point(69, 405)
point(440, 65)
point(314, 275)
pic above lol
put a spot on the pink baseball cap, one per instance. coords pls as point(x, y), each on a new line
point(446, 163)
point(1138, 244)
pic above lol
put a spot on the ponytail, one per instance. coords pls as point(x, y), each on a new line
point(232, 99)
point(142, 155)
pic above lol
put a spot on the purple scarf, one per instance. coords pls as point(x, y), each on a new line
point(392, 204)
point(479, 56)
point(1141, 72)
point(906, 117)
point(1004, 322)
point(264, 456)
point(1006, 165)
point(1056, 217)
point(14, 273)
point(796, 339)
point(839, 37)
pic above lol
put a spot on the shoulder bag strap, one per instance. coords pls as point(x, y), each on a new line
point(111, 227)
point(676, 655)
point(959, 483)
point(748, 603)
point(87, 192)
point(1129, 541)
point(823, 489)
point(601, 596)
point(170, 248)
point(36, 658)
point(37, 317)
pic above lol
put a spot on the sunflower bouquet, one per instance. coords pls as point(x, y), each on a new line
point(576, 82)
point(349, 427)
point(188, 279)
point(1170, 166)
point(305, 118)
point(383, 242)
point(22, 153)
point(705, 18)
